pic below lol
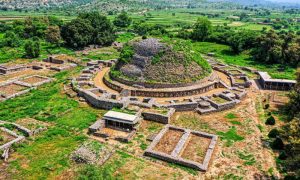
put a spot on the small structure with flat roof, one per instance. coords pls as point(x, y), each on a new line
point(120, 121)
point(267, 82)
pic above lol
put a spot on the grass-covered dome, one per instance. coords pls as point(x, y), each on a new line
point(160, 61)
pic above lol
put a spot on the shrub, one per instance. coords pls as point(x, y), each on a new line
point(126, 53)
point(266, 106)
point(273, 133)
point(270, 121)
point(277, 144)
point(1, 138)
point(32, 49)
point(282, 155)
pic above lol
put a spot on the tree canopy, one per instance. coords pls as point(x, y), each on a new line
point(122, 20)
point(272, 47)
point(202, 29)
point(86, 29)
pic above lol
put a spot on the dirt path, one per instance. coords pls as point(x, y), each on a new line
point(98, 80)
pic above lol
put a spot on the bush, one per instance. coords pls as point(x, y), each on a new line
point(282, 155)
point(266, 106)
point(277, 144)
point(126, 53)
point(270, 121)
point(32, 49)
point(273, 133)
point(1, 138)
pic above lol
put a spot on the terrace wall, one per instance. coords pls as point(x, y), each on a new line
point(156, 117)
point(161, 85)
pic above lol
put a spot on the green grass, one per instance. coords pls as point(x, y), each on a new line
point(45, 103)
point(224, 54)
point(106, 53)
point(186, 169)
point(230, 136)
point(219, 100)
point(46, 156)
point(107, 170)
point(235, 122)
point(125, 37)
point(231, 116)
point(247, 157)
point(80, 118)
point(193, 122)
point(8, 54)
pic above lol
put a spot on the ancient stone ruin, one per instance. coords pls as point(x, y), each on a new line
point(183, 146)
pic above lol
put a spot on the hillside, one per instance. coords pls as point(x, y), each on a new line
point(36, 4)
point(99, 5)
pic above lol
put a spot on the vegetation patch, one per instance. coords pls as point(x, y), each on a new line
point(247, 157)
point(160, 61)
point(230, 136)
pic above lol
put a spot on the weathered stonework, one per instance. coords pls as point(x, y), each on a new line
point(27, 87)
point(222, 106)
point(175, 157)
point(126, 95)
point(235, 83)
point(8, 69)
point(16, 140)
point(158, 117)
point(43, 81)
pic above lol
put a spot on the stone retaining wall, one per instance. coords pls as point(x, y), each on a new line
point(189, 106)
point(234, 83)
point(211, 77)
point(163, 93)
point(99, 102)
point(224, 106)
point(157, 117)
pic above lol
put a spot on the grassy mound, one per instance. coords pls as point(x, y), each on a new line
point(160, 61)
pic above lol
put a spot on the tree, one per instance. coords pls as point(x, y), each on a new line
point(268, 48)
point(202, 29)
point(35, 26)
point(122, 20)
point(103, 31)
point(241, 40)
point(294, 103)
point(291, 133)
point(10, 39)
point(282, 47)
point(32, 48)
point(78, 33)
point(53, 35)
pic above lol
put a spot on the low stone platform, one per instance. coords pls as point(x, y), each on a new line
point(182, 145)
point(13, 88)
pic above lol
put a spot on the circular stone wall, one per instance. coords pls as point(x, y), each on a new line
point(211, 77)
point(173, 90)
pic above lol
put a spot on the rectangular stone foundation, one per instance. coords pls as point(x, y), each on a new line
point(175, 156)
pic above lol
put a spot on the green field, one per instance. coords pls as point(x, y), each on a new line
point(223, 53)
